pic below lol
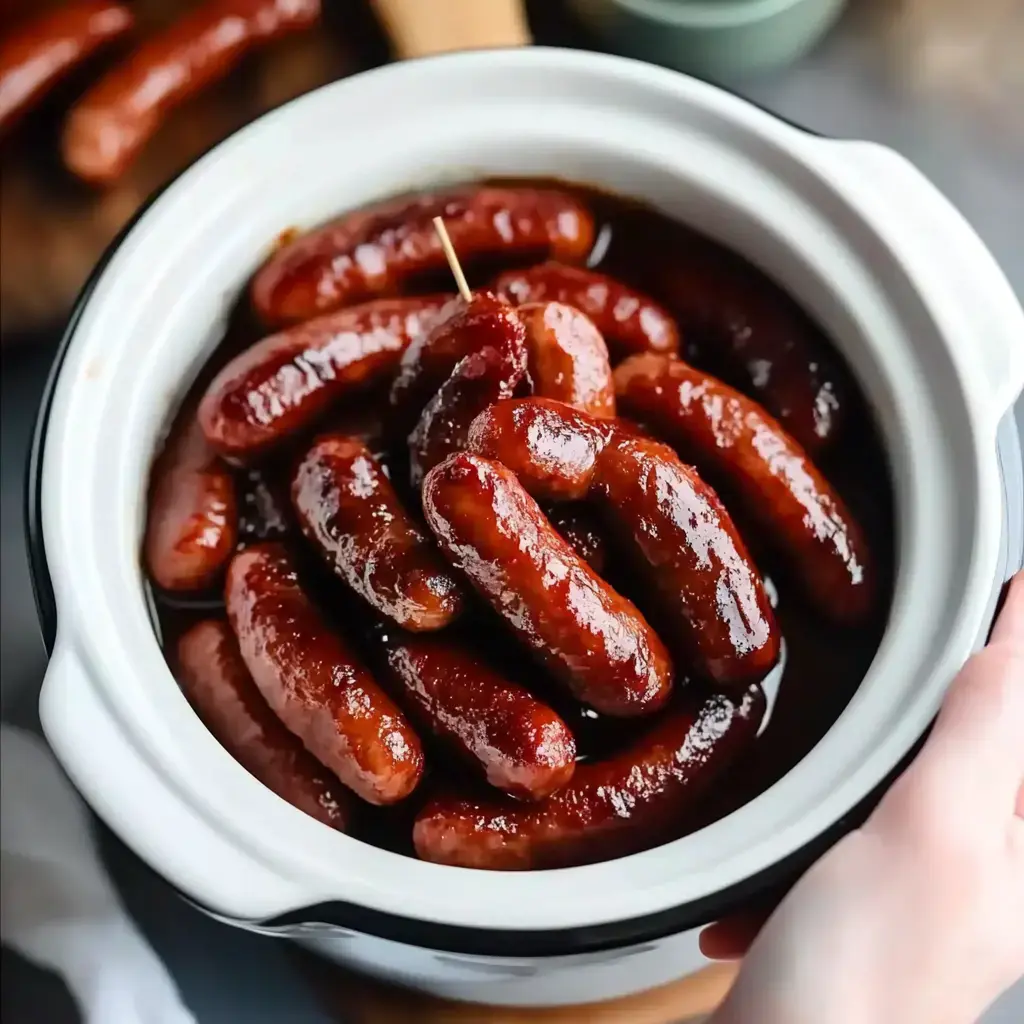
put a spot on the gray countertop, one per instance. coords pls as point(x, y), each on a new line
point(951, 103)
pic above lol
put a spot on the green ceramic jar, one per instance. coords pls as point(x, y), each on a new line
point(718, 39)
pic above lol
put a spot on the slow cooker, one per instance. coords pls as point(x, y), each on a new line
point(872, 250)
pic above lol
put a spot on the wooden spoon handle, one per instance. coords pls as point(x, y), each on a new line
point(418, 28)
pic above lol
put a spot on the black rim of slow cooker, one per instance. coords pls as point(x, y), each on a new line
point(759, 889)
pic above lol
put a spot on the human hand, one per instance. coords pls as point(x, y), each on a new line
point(919, 915)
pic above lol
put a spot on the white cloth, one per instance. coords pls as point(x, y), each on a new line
point(57, 905)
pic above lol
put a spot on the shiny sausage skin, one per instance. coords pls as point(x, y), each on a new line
point(314, 682)
point(479, 380)
point(374, 251)
point(40, 52)
point(460, 329)
point(736, 442)
point(108, 127)
point(629, 321)
point(753, 334)
point(285, 382)
point(709, 593)
point(577, 526)
point(520, 744)
point(350, 512)
point(219, 687)
point(552, 448)
point(568, 359)
point(591, 638)
point(192, 526)
point(609, 808)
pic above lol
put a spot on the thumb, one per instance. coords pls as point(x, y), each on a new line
point(976, 752)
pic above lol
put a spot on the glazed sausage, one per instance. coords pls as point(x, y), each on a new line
point(284, 383)
point(36, 55)
point(373, 252)
point(568, 359)
point(755, 336)
point(349, 510)
point(219, 687)
point(737, 443)
point(461, 328)
point(479, 380)
point(520, 744)
point(108, 127)
point(578, 527)
point(629, 321)
point(590, 638)
point(609, 808)
point(314, 682)
point(552, 448)
point(192, 526)
point(709, 593)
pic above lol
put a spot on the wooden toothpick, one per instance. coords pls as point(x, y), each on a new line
point(453, 260)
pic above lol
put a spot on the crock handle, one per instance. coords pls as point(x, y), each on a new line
point(947, 250)
point(148, 815)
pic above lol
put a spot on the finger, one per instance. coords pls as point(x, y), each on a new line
point(730, 938)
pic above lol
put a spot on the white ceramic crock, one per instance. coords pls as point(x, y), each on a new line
point(898, 278)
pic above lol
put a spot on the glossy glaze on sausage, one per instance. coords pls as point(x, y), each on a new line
point(192, 522)
point(374, 251)
point(478, 380)
point(286, 382)
point(589, 637)
point(754, 335)
point(568, 359)
point(518, 743)
point(707, 589)
point(108, 126)
point(628, 320)
point(35, 55)
point(461, 329)
point(218, 685)
point(349, 510)
point(708, 595)
point(738, 445)
point(315, 683)
point(609, 808)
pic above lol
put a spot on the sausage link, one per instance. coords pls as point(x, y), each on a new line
point(568, 359)
point(109, 126)
point(519, 743)
point(461, 329)
point(192, 522)
point(219, 687)
point(349, 510)
point(314, 682)
point(37, 54)
point(590, 638)
point(737, 443)
point(479, 380)
point(552, 448)
point(709, 593)
point(753, 334)
point(629, 321)
point(609, 808)
point(584, 535)
point(285, 382)
point(373, 252)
